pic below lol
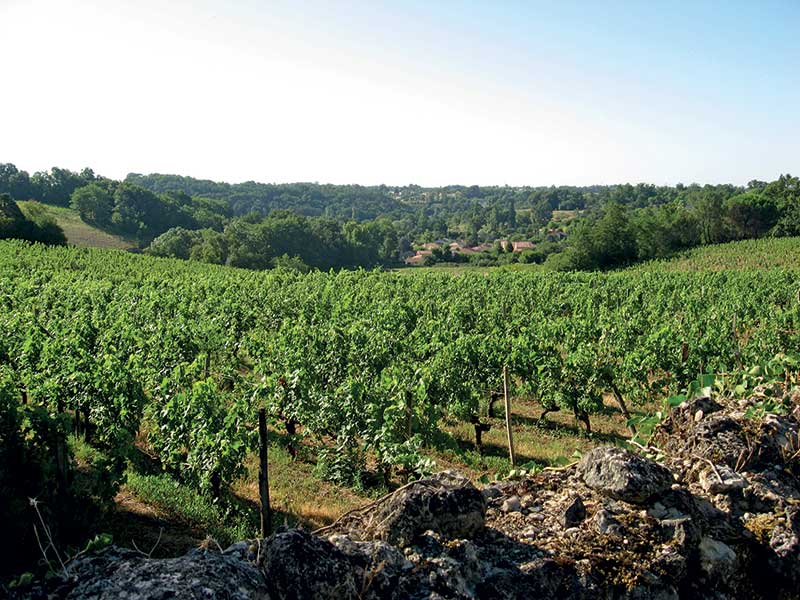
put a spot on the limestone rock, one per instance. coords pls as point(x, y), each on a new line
point(118, 573)
point(722, 480)
point(301, 565)
point(717, 559)
point(623, 475)
point(446, 503)
point(511, 504)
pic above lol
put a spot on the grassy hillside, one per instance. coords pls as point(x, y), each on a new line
point(78, 233)
point(765, 253)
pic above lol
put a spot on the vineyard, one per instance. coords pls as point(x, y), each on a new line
point(767, 253)
point(361, 369)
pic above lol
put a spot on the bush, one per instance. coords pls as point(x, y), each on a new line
point(343, 465)
point(38, 228)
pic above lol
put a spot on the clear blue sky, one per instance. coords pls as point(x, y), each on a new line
point(425, 92)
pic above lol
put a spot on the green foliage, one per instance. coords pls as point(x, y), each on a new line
point(361, 367)
point(201, 435)
point(98, 542)
point(31, 440)
point(34, 228)
point(328, 226)
point(225, 523)
point(94, 203)
point(343, 465)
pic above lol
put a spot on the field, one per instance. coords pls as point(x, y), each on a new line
point(156, 368)
point(762, 254)
point(78, 233)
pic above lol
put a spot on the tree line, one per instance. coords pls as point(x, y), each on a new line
point(309, 225)
point(618, 235)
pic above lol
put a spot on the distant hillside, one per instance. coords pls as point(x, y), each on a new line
point(764, 253)
point(309, 199)
point(78, 233)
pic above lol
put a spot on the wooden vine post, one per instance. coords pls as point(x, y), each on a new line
point(508, 418)
point(263, 475)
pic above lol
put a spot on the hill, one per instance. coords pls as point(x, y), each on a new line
point(78, 233)
point(764, 253)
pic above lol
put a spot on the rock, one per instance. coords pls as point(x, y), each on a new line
point(671, 562)
point(657, 511)
point(719, 435)
point(457, 570)
point(537, 578)
point(782, 433)
point(377, 563)
point(606, 524)
point(491, 492)
point(119, 573)
point(704, 404)
point(446, 503)
point(623, 475)
point(722, 481)
point(785, 542)
point(683, 531)
point(300, 565)
point(717, 559)
point(785, 539)
point(511, 504)
point(574, 513)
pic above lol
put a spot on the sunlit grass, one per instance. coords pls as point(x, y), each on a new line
point(78, 233)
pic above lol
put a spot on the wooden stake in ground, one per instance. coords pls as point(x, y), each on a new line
point(508, 418)
point(263, 475)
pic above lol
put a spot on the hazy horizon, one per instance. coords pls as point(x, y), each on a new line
point(464, 93)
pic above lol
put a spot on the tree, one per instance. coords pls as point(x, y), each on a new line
point(785, 193)
point(750, 215)
point(94, 204)
point(15, 224)
point(175, 243)
point(541, 213)
point(210, 247)
point(710, 215)
point(14, 182)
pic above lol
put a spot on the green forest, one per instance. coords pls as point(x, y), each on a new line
point(314, 226)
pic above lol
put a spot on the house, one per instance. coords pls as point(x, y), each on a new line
point(520, 246)
point(418, 258)
point(456, 248)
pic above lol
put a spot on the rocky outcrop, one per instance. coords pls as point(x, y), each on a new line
point(119, 573)
point(717, 515)
point(620, 474)
point(447, 503)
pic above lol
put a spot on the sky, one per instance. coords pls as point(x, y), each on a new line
point(426, 92)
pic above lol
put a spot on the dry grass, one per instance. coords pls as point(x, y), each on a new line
point(299, 498)
point(545, 442)
point(78, 233)
point(564, 215)
point(296, 495)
